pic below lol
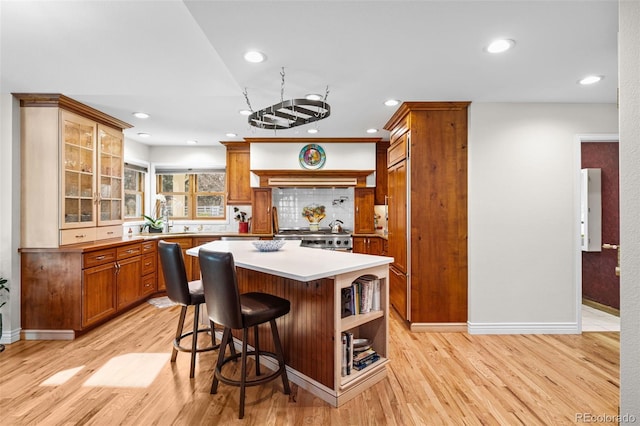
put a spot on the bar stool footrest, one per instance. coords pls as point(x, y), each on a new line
point(250, 382)
point(176, 342)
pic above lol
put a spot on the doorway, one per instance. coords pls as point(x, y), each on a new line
point(599, 298)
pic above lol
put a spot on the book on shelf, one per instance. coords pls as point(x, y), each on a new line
point(347, 353)
point(366, 362)
point(366, 294)
point(346, 302)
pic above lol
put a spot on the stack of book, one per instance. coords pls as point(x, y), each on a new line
point(364, 358)
point(363, 296)
point(355, 358)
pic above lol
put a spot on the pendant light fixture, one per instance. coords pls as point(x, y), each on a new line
point(290, 113)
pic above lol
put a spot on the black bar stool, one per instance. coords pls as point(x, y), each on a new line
point(185, 293)
point(235, 311)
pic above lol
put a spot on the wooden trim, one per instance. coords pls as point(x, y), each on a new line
point(312, 140)
point(64, 102)
point(340, 178)
point(438, 327)
point(407, 107)
point(599, 306)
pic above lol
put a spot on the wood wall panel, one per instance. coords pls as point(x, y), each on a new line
point(307, 330)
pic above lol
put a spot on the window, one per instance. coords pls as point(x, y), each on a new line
point(193, 195)
point(134, 177)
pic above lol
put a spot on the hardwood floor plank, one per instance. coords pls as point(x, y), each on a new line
point(433, 378)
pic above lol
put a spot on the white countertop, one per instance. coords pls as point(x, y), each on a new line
point(294, 262)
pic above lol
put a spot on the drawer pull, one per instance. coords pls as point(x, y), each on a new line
point(100, 257)
point(147, 264)
point(81, 235)
point(110, 232)
point(130, 251)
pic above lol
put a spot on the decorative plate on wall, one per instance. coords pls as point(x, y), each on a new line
point(312, 156)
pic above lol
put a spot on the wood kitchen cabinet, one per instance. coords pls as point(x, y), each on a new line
point(427, 185)
point(364, 222)
point(369, 245)
point(381, 173)
point(261, 219)
point(238, 173)
point(73, 289)
point(74, 156)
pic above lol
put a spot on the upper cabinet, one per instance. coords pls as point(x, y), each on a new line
point(238, 173)
point(72, 172)
point(381, 172)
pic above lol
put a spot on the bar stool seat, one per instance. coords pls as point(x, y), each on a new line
point(235, 311)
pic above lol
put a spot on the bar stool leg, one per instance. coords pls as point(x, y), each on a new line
point(243, 372)
point(280, 355)
point(176, 341)
point(257, 349)
point(194, 341)
point(223, 346)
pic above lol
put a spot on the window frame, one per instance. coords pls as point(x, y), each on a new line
point(142, 173)
point(192, 195)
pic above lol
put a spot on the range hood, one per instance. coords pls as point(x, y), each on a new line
point(313, 178)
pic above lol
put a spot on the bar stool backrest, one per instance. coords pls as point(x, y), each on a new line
point(175, 274)
point(221, 293)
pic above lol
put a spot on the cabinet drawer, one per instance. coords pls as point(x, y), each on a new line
point(79, 235)
point(106, 232)
point(148, 247)
point(148, 284)
point(397, 151)
point(148, 263)
point(401, 128)
point(129, 250)
point(101, 257)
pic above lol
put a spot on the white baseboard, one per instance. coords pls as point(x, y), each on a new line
point(438, 327)
point(525, 328)
point(48, 334)
point(10, 336)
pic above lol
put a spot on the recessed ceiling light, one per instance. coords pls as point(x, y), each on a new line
point(314, 97)
point(499, 46)
point(312, 131)
point(245, 112)
point(192, 141)
point(254, 57)
point(230, 135)
point(391, 102)
point(144, 135)
point(141, 115)
point(372, 130)
point(590, 79)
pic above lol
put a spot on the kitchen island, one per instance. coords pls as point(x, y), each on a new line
point(313, 281)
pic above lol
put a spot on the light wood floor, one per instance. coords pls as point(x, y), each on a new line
point(444, 378)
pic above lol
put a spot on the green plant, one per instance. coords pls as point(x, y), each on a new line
point(4, 287)
point(153, 223)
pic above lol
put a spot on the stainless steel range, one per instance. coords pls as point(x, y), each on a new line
point(322, 238)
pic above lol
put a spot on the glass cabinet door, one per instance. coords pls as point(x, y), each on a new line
point(110, 174)
point(78, 160)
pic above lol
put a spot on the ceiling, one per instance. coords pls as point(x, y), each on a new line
point(182, 61)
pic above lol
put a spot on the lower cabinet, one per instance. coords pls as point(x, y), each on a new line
point(369, 245)
point(69, 291)
point(398, 291)
point(185, 244)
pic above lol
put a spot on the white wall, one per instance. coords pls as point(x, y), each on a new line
point(340, 156)
point(10, 214)
point(523, 177)
point(629, 69)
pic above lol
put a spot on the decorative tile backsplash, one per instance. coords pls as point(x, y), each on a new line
point(338, 203)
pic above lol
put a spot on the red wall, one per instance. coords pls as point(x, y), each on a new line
point(599, 282)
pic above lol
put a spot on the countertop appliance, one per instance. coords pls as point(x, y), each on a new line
point(323, 238)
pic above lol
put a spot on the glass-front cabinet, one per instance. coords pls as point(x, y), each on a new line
point(74, 153)
point(78, 181)
point(93, 173)
point(110, 166)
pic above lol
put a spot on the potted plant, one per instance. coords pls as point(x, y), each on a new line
point(154, 225)
point(3, 288)
point(241, 218)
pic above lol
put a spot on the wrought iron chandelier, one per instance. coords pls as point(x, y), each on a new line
point(290, 113)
